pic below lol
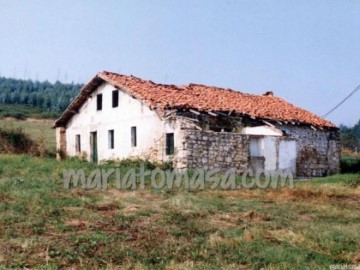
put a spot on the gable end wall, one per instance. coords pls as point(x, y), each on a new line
point(318, 151)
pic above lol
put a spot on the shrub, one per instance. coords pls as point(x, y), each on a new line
point(16, 115)
point(137, 162)
point(16, 141)
point(350, 165)
point(133, 163)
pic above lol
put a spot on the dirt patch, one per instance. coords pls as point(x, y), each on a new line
point(356, 258)
point(73, 208)
point(242, 193)
point(279, 236)
point(253, 216)
point(80, 192)
point(305, 194)
point(79, 224)
point(226, 220)
point(44, 121)
point(355, 199)
point(49, 122)
point(112, 195)
point(248, 235)
point(6, 199)
point(131, 208)
point(104, 207)
point(237, 219)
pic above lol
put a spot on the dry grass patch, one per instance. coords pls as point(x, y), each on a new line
point(283, 235)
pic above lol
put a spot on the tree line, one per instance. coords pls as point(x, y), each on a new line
point(350, 137)
point(54, 97)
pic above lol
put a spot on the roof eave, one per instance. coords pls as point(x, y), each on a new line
point(74, 106)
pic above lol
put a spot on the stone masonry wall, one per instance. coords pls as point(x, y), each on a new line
point(318, 151)
point(212, 150)
point(60, 143)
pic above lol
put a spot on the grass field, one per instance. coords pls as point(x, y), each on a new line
point(45, 226)
point(21, 111)
point(39, 129)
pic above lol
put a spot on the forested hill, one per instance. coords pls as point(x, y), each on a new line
point(46, 96)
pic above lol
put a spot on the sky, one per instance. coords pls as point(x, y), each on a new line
point(307, 52)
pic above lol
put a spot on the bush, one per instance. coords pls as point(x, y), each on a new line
point(16, 141)
point(133, 163)
point(137, 162)
point(350, 165)
point(16, 115)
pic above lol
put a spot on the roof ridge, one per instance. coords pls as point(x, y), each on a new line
point(226, 89)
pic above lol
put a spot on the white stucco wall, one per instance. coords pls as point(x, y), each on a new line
point(264, 147)
point(262, 131)
point(287, 155)
point(279, 153)
point(270, 153)
point(130, 112)
point(256, 146)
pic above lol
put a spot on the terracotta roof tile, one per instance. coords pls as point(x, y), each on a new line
point(202, 98)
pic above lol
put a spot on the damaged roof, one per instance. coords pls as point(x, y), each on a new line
point(161, 97)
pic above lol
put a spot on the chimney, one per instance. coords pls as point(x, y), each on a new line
point(269, 93)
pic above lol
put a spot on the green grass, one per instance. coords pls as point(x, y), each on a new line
point(39, 130)
point(21, 111)
point(334, 179)
point(44, 226)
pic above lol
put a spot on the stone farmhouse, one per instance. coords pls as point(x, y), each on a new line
point(194, 126)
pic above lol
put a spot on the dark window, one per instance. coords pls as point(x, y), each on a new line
point(78, 143)
point(115, 98)
point(133, 136)
point(169, 144)
point(111, 139)
point(99, 102)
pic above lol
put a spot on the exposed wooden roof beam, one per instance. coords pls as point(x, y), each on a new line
point(187, 118)
point(269, 124)
point(194, 112)
point(212, 114)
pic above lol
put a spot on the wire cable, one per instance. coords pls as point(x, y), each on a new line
point(345, 99)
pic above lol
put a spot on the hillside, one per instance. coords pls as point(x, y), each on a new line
point(22, 112)
point(39, 130)
point(48, 98)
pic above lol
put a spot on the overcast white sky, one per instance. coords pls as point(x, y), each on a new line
point(307, 52)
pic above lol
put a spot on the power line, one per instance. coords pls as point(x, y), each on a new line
point(345, 99)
